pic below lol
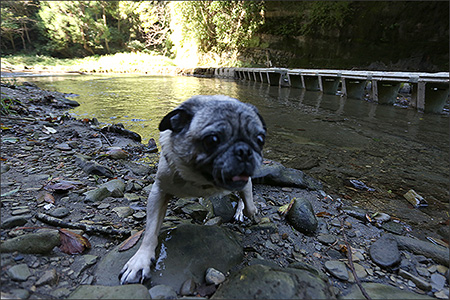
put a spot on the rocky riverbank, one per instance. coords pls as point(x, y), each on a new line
point(74, 190)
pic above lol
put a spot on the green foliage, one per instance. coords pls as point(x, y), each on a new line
point(16, 23)
point(7, 106)
point(328, 15)
point(221, 26)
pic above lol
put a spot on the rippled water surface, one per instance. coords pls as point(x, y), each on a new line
point(334, 139)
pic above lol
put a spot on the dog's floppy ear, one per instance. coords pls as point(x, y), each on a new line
point(176, 120)
point(258, 114)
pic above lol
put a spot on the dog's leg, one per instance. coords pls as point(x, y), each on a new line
point(137, 269)
point(250, 208)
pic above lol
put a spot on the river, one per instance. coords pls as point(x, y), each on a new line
point(389, 148)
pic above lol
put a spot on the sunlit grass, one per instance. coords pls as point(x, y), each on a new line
point(119, 62)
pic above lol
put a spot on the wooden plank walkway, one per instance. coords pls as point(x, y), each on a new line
point(430, 91)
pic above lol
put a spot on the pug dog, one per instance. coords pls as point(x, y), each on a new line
point(209, 145)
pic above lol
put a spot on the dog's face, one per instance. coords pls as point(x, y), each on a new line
point(216, 138)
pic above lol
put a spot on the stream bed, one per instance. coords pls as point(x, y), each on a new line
point(389, 149)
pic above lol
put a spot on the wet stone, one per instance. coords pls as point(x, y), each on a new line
point(123, 211)
point(302, 216)
point(63, 147)
point(116, 187)
point(33, 243)
point(214, 276)
point(131, 197)
point(326, 239)
point(188, 287)
point(15, 221)
point(384, 252)
point(223, 206)
point(97, 195)
point(129, 291)
point(21, 211)
point(60, 212)
point(49, 277)
point(162, 292)
point(337, 268)
point(257, 280)
point(140, 215)
point(420, 282)
point(437, 282)
point(19, 272)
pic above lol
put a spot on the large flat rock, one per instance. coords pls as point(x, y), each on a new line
point(185, 252)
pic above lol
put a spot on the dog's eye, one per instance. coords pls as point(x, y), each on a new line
point(261, 139)
point(210, 142)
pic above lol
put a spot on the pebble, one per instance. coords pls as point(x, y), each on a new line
point(49, 277)
point(63, 147)
point(326, 239)
point(20, 211)
point(131, 197)
point(423, 271)
point(420, 282)
point(437, 282)
point(214, 276)
point(162, 291)
point(384, 252)
point(116, 187)
point(15, 221)
point(103, 206)
point(33, 243)
point(188, 287)
point(123, 211)
point(338, 269)
point(140, 215)
point(60, 212)
point(97, 195)
point(19, 272)
point(301, 216)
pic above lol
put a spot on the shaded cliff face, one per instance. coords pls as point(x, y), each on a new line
point(404, 36)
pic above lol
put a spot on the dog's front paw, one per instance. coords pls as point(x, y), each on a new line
point(137, 269)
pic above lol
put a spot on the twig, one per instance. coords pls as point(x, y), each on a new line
point(86, 227)
point(350, 261)
point(109, 143)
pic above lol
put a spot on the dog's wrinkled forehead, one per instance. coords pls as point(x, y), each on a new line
point(202, 109)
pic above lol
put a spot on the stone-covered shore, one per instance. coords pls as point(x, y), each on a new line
point(74, 185)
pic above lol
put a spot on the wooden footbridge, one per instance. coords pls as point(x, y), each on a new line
point(430, 91)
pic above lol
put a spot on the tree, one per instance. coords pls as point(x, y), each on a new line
point(16, 22)
point(222, 25)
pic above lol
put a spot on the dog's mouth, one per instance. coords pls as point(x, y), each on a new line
point(242, 177)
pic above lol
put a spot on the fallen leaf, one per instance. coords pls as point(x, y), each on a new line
point(323, 214)
point(283, 210)
point(72, 243)
point(343, 248)
point(49, 198)
point(131, 241)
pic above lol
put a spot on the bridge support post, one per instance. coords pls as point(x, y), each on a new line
point(385, 92)
point(296, 81)
point(353, 88)
point(312, 82)
point(430, 97)
point(329, 84)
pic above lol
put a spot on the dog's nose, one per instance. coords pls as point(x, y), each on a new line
point(243, 151)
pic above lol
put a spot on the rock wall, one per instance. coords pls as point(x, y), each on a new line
point(372, 35)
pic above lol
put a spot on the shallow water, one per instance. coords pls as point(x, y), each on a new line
point(334, 139)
